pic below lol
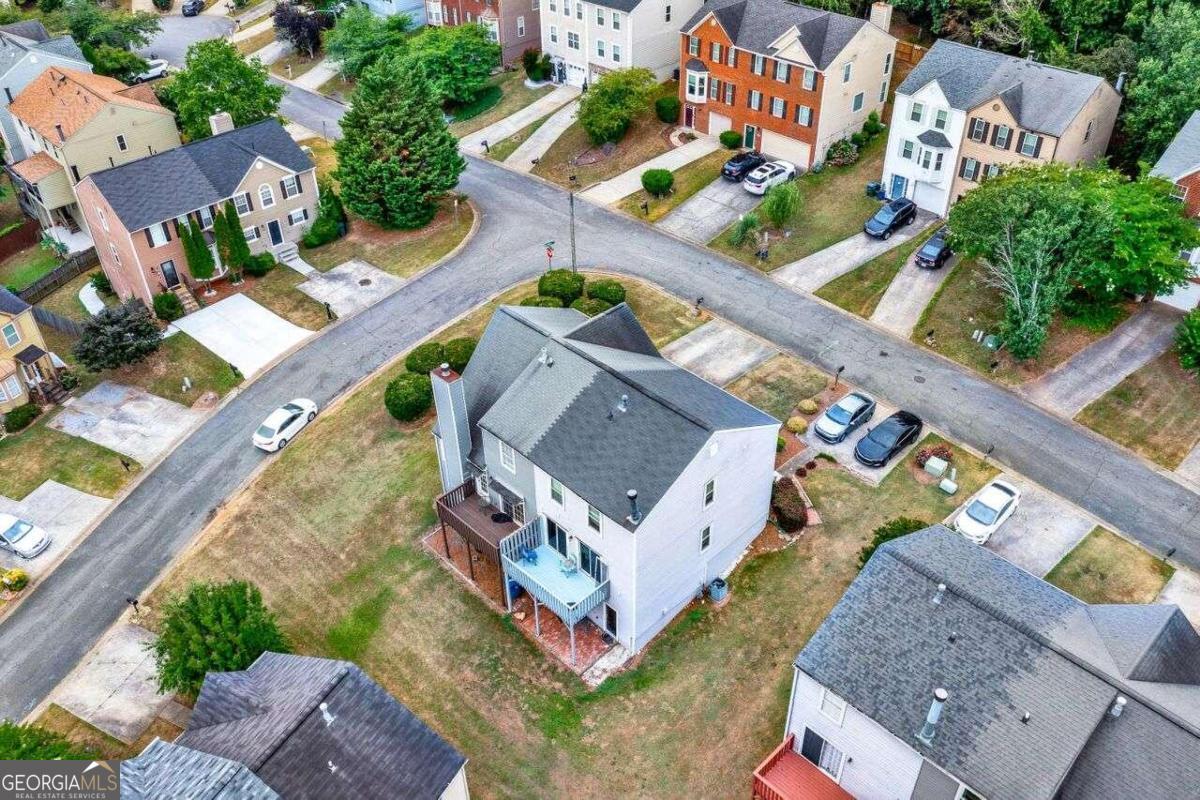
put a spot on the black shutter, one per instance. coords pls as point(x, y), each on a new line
point(986, 126)
point(1020, 141)
point(283, 190)
point(1037, 148)
point(149, 238)
point(811, 746)
point(995, 130)
point(784, 114)
point(249, 202)
point(787, 74)
point(299, 185)
point(167, 232)
point(962, 169)
point(305, 214)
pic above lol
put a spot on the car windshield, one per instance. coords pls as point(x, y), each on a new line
point(887, 434)
point(982, 513)
point(266, 431)
point(885, 214)
point(931, 248)
point(292, 407)
point(17, 531)
point(838, 414)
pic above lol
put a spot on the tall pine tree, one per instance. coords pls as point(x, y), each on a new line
point(397, 157)
point(200, 261)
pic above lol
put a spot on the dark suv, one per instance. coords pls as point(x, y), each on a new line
point(192, 7)
point(890, 217)
point(935, 252)
point(742, 164)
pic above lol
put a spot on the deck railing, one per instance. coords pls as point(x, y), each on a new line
point(762, 787)
point(531, 536)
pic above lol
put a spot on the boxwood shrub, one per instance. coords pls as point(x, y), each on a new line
point(667, 108)
point(408, 396)
point(658, 181)
point(425, 358)
point(259, 265)
point(459, 352)
point(543, 302)
point(731, 139)
point(564, 284)
point(167, 306)
point(608, 290)
point(591, 305)
point(20, 417)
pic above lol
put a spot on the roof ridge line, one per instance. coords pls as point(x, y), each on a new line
point(1121, 685)
point(326, 689)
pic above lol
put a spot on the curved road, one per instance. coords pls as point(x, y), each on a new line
point(46, 635)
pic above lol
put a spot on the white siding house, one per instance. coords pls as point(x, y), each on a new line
point(922, 148)
point(643, 481)
point(415, 9)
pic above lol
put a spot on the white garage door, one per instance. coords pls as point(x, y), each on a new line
point(928, 197)
point(778, 146)
point(717, 124)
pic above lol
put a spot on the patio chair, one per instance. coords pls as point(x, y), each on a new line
point(529, 554)
point(569, 567)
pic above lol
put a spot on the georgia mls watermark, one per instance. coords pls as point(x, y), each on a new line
point(60, 780)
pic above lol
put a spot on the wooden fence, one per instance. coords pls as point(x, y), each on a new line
point(909, 53)
point(57, 321)
point(65, 272)
point(19, 238)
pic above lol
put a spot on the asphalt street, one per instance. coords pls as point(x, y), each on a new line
point(179, 32)
point(46, 635)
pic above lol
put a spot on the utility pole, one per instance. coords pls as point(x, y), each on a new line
point(571, 201)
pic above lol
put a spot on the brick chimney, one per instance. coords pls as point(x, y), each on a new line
point(222, 122)
point(881, 15)
point(453, 428)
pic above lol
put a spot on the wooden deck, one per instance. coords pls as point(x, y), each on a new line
point(787, 775)
point(464, 511)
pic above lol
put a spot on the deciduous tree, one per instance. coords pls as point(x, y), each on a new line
point(216, 78)
point(360, 38)
point(298, 26)
point(611, 103)
point(458, 60)
point(34, 743)
point(1166, 88)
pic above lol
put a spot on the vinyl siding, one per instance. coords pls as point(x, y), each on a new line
point(866, 52)
point(656, 41)
point(15, 80)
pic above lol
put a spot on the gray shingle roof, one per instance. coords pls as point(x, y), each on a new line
point(11, 303)
point(19, 38)
point(1019, 645)
point(934, 138)
point(1041, 98)
point(32, 30)
point(165, 771)
point(1182, 156)
point(167, 185)
point(268, 718)
point(754, 25)
point(563, 415)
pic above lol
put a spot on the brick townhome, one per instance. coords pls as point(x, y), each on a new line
point(133, 210)
point(791, 79)
point(964, 114)
point(513, 24)
point(1180, 164)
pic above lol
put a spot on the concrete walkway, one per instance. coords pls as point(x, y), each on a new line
point(537, 144)
point(718, 352)
point(708, 212)
point(271, 53)
point(250, 31)
point(614, 189)
point(323, 70)
point(518, 120)
point(811, 273)
point(907, 296)
point(1189, 468)
point(1101, 365)
point(350, 287)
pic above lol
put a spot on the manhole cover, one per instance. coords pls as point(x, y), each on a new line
point(919, 378)
point(364, 282)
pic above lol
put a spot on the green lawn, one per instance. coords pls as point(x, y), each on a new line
point(299, 62)
point(338, 87)
point(965, 303)
point(689, 180)
point(501, 150)
point(777, 385)
point(331, 533)
point(402, 253)
point(833, 206)
point(277, 291)
point(514, 95)
point(1104, 568)
point(23, 268)
point(65, 299)
point(323, 156)
point(258, 41)
point(1154, 412)
point(643, 141)
point(39, 454)
point(860, 290)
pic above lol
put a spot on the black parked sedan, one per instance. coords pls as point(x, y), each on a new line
point(741, 165)
point(935, 252)
point(890, 217)
point(887, 439)
point(192, 7)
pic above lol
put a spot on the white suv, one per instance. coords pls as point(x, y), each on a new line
point(768, 175)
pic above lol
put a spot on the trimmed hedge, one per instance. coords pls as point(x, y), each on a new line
point(797, 424)
point(425, 358)
point(658, 181)
point(732, 140)
point(667, 108)
point(791, 514)
point(564, 284)
point(542, 302)
point(167, 306)
point(608, 290)
point(809, 406)
point(259, 265)
point(408, 396)
point(15, 579)
point(459, 352)
point(21, 417)
point(591, 306)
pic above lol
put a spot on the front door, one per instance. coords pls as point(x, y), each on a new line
point(169, 273)
point(689, 117)
point(750, 139)
point(276, 232)
point(899, 186)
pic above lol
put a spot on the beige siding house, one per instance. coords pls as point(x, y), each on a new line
point(27, 370)
point(72, 124)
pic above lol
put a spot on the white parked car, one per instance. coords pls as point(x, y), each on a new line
point(22, 538)
point(155, 68)
point(283, 424)
point(987, 511)
point(768, 175)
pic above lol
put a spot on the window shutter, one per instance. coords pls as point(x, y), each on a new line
point(250, 201)
point(962, 169)
point(149, 238)
point(986, 126)
point(305, 214)
point(734, 62)
point(995, 130)
point(167, 231)
point(787, 74)
point(750, 99)
point(1020, 141)
point(299, 185)
point(283, 190)
point(1037, 148)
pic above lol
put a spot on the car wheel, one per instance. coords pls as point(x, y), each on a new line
point(886, 235)
point(282, 444)
point(312, 415)
point(911, 220)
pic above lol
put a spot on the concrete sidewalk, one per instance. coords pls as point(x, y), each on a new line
point(317, 74)
point(1100, 366)
point(536, 145)
point(718, 352)
point(907, 296)
point(516, 121)
point(812, 272)
point(614, 189)
point(1189, 468)
point(250, 31)
point(711, 210)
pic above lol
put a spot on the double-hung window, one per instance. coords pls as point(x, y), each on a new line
point(755, 100)
point(520, 27)
point(729, 94)
point(887, 63)
point(593, 517)
point(758, 64)
point(906, 149)
point(916, 112)
point(158, 233)
point(693, 45)
point(857, 103)
point(883, 90)
point(847, 68)
point(782, 72)
point(616, 53)
point(572, 40)
point(508, 457)
point(667, 14)
point(778, 107)
point(251, 233)
point(554, 34)
point(579, 11)
point(731, 56)
point(616, 20)
point(1002, 136)
point(810, 79)
point(600, 16)
point(940, 118)
point(970, 169)
point(556, 491)
point(599, 48)
point(705, 538)
point(804, 116)
point(122, 145)
point(1031, 145)
point(291, 186)
point(12, 337)
point(710, 492)
point(714, 50)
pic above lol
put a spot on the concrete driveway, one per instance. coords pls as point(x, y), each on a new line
point(718, 352)
point(242, 332)
point(518, 120)
point(126, 419)
point(1183, 590)
point(713, 209)
point(63, 512)
point(614, 189)
point(811, 273)
point(350, 287)
point(907, 296)
point(1042, 530)
point(843, 451)
point(540, 140)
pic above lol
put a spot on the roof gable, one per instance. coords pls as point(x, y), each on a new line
point(1182, 156)
point(67, 99)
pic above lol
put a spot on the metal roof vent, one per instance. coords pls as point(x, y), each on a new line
point(1118, 706)
point(929, 729)
point(545, 359)
point(941, 592)
point(622, 406)
point(325, 715)
point(635, 514)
